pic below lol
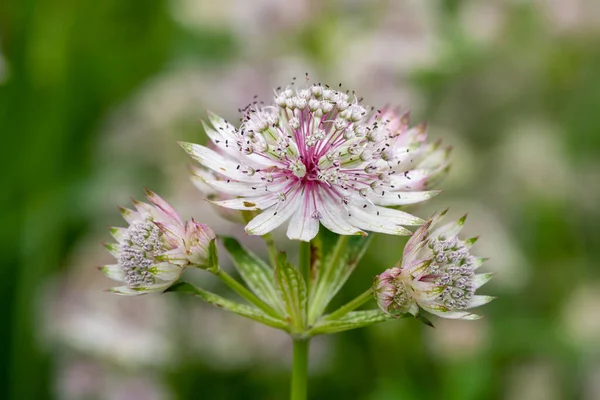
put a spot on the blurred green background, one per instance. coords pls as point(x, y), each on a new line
point(94, 94)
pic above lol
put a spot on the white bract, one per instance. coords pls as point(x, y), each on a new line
point(318, 156)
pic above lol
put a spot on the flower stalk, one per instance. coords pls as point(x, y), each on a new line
point(351, 305)
point(299, 386)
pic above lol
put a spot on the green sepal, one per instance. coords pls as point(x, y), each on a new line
point(292, 291)
point(257, 274)
point(353, 320)
point(424, 320)
point(213, 256)
point(221, 302)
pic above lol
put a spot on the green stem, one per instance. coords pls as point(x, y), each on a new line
point(270, 242)
point(304, 261)
point(245, 293)
point(300, 370)
point(351, 305)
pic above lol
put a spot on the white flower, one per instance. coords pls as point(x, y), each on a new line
point(153, 251)
point(437, 274)
point(319, 156)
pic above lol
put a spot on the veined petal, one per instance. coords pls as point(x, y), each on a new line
point(451, 229)
point(128, 291)
point(410, 250)
point(401, 198)
point(114, 272)
point(481, 279)
point(477, 301)
point(113, 248)
point(218, 163)
point(333, 216)
point(118, 233)
point(444, 312)
point(249, 203)
point(166, 271)
point(130, 216)
point(163, 206)
point(303, 225)
point(413, 179)
point(270, 219)
point(395, 216)
point(375, 223)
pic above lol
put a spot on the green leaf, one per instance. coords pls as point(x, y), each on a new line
point(255, 272)
point(213, 255)
point(221, 302)
point(334, 272)
point(320, 246)
point(292, 289)
point(352, 320)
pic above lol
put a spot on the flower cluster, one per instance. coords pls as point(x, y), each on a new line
point(437, 274)
point(318, 156)
point(153, 251)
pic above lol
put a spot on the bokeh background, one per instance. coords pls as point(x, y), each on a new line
point(94, 94)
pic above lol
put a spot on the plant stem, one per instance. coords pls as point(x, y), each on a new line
point(272, 248)
point(351, 305)
point(300, 370)
point(245, 293)
point(304, 261)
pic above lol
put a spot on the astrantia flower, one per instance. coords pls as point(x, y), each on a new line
point(319, 156)
point(437, 274)
point(153, 251)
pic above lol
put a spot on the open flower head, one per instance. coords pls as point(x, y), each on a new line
point(154, 249)
point(437, 274)
point(318, 156)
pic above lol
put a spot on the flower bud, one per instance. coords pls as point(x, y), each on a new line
point(437, 274)
point(154, 249)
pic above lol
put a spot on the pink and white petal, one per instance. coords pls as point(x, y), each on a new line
point(396, 216)
point(428, 292)
point(176, 256)
point(118, 233)
point(450, 230)
point(235, 188)
point(333, 216)
point(114, 272)
point(477, 301)
point(129, 215)
point(249, 203)
point(481, 279)
point(273, 217)
point(401, 198)
point(375, 223)
point(416, 269)
point(419, 237)
point(415, 179)
point(303, 225)
point(218, 163)
point(173, 233)
point(163, 206)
